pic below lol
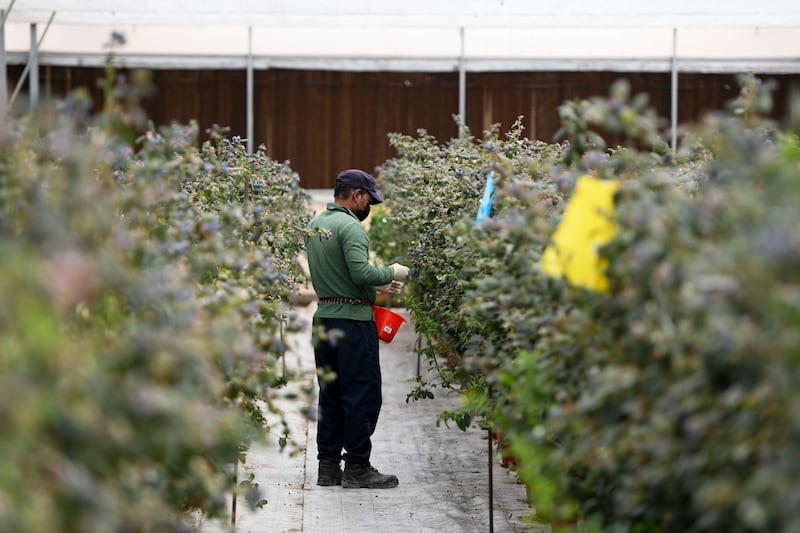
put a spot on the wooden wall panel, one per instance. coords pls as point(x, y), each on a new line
point(499, 98)
point(208, 96)
point(325, 121)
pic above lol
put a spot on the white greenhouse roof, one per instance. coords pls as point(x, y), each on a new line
point(416, 13)
point(428, 35)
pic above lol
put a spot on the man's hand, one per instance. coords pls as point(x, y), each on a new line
point(399, 272)
point(390, 288)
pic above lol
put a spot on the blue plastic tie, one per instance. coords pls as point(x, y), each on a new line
point(485, 209)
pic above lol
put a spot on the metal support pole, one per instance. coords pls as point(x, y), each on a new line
point(33, 75)
point(250, 90)
point(674, 92)
point(462, 88)
point(4, 14)
point(491, 474)
point(3, 74)
point(34, 53)
point(235, 487)
point(418, 349)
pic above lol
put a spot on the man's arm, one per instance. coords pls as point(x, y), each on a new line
point(356, 254)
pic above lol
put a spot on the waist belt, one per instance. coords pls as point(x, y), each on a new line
point(343, 300)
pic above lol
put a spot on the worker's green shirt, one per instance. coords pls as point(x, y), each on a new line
point(339, 264)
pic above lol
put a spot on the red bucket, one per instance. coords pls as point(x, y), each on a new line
point(387, 322)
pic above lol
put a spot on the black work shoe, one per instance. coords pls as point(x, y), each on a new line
point(364, 476)
point(329, 474)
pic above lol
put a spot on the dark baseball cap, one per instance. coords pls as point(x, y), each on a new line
point(358, 179)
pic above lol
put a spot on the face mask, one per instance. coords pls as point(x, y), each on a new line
point(362, 214)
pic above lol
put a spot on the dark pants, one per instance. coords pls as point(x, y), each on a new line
point(348, 405)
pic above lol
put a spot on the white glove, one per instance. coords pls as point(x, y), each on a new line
point(399, 272)
point(390, 288)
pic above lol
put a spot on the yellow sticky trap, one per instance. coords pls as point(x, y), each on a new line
point(588, 223)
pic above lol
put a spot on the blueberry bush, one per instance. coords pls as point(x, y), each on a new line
point(665, 403)
point(144, 289)
point(428, 221)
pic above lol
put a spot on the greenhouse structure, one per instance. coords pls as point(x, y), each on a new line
point(321, 84)
point(525, 266)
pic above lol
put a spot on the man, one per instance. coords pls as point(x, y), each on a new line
point(346, 283)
